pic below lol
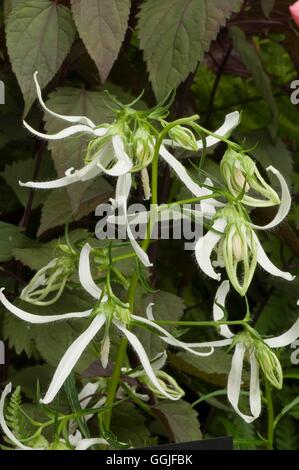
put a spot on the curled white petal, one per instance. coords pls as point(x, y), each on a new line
point(170, 339)
point(268, 266)
point(85, 276)
point(231, 121)
point(205, 245)
point(64, 133)
point(235, 381)
point(123, 162)
point(3, 424)
point(140, 351)
point(254, 391)
point(181, 172)
point(220, 343)
point(121, 198)
point(31, 318)
point(89, 171)
point(218, 313)
point(286, 338)
point(71, 357)
point(285, 202)
point(74, 119)
point(149, 312)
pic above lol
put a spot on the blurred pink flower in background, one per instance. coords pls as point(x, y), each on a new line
point(294, 9)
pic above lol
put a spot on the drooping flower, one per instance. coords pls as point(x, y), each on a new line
point(117, 150)
point(110, 149)
point(233, 239)
point(48, 284)
point(259, 352)
point(241, 175)
point(105, 313)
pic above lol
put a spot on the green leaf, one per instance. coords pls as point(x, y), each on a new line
point(269, 152)
point(286, 435)
point(19, 335)
point(28, 377)
point(253, 63)
point(174, 34)
point(39, 37)
point(57, 209)
point(36, 255)
point(102, 26)
point(10, 237)
point(180, 420)
point(23, 170)
point(166, 306)
point(213, 369)
point(72, 396)
point(70, 152)
point(9, 5)
point(128, 424)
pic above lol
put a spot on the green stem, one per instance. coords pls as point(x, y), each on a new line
point(138, 402)
point(270, 415)
point(113, 382)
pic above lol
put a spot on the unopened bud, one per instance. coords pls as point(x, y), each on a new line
point(168, 384)
point(49, 282)
point(184, 137)
point(269, 364)
point(105, 350)
point(143, 146)
point(238, 250)
point(241, 175)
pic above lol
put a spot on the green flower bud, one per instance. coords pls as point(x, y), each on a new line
point(49, 282)
point(167, 382)
point(143, 146)
point(239, 252)
point(123, 314)
point(183, 137)
point(242, 176)
point(269, 364)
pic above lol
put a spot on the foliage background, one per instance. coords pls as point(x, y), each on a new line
point(222, 55)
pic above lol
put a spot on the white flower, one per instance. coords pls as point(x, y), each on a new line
point(76, 440)
point(101, 315)
point(113, 149)
point(250, 347)
point(233, 239)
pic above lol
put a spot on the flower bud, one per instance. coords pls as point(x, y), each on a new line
point(167, 382)
point(184, 137)
point(242, 176)
point(105, 351)
point(269, 364)
point(143, 146)
point(123, 314)
point(239, 251)
point(49, 282)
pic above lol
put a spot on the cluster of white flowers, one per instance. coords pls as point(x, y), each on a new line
point(120, 150)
